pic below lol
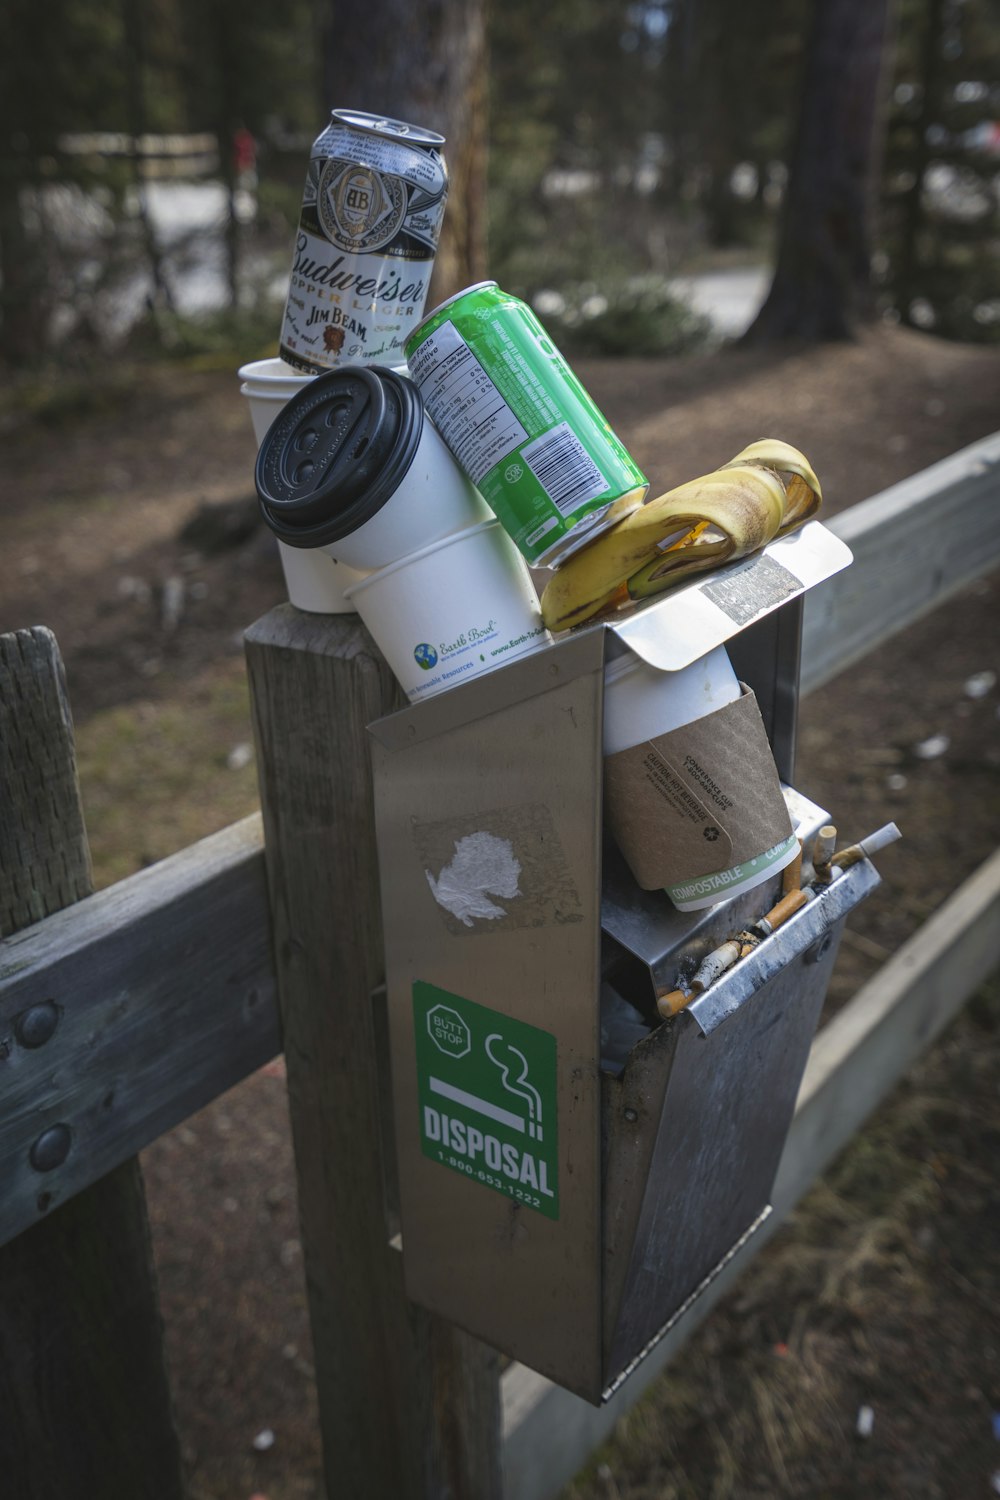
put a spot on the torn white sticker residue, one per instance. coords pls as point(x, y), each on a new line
point(483, 866)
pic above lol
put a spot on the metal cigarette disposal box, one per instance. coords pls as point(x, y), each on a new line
point(572, 1171)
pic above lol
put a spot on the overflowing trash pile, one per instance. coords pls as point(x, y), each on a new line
point(448, 477)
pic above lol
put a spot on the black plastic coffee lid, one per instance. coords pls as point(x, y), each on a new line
point(336, 453)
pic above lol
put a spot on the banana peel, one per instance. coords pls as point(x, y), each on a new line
point(803, 496)
point(765, 491)
point(727, 514)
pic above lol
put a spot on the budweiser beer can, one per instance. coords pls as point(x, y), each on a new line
point(521, 425)
point(371, 215)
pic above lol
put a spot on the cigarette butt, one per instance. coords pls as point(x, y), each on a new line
point(826, 842)
point(791, 876)
point(880, 839)
point(717, 962)
point(669, 1005)
point(786, 907)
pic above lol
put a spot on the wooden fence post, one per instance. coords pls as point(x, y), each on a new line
point(84, 1401)
point(409, 1405)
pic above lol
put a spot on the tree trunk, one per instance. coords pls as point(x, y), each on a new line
point(716, 96)
point(228, 60)
point(913, 201)
point(822, 283)
point(22, 298)
point(26, 137)
point(161, 298)
point(423, 61)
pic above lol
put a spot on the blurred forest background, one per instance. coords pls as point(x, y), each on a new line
point(153, 153)
point(606, 156)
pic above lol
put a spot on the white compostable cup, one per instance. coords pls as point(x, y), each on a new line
point(354, 468)
point(268, 385)
point(315, 582)
point(640, 703)
point(453, 610)
point(433, 500)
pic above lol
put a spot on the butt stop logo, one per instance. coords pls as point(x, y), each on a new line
point(487, 1097)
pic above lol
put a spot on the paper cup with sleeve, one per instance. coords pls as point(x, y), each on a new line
point(691, 791)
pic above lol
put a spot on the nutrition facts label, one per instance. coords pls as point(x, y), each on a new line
point(467, 408)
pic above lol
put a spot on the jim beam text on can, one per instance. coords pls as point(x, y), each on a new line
point(371, 215)
point(520, 423)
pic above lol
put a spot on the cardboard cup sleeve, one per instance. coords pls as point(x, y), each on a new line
point(699, 811)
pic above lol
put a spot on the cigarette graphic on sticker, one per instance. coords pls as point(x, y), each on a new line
point(519, 1086)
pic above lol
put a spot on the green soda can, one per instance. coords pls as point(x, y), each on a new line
point(520, 423)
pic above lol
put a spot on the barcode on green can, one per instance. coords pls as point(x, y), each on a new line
point(520, 423)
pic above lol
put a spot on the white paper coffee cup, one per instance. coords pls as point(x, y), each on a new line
point(434, 499)
point(354, 467)
point(314, 581)
point(453, 610)
point(268, 385)
point(641, 702)
point(663, 797)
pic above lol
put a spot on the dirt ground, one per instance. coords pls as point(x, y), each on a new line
point(127, 528)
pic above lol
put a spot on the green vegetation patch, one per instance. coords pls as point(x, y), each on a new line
point(158, 775)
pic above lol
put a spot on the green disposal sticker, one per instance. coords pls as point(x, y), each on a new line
point(487, 1090)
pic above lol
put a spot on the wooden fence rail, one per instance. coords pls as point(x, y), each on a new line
point(79, 1284)
point(168, 991)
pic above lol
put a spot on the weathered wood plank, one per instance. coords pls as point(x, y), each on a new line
point(914, 545)
point(84, 1400)
point(165, 995)
point(44, 855)
point(855, 1061)
point(409, 1406)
